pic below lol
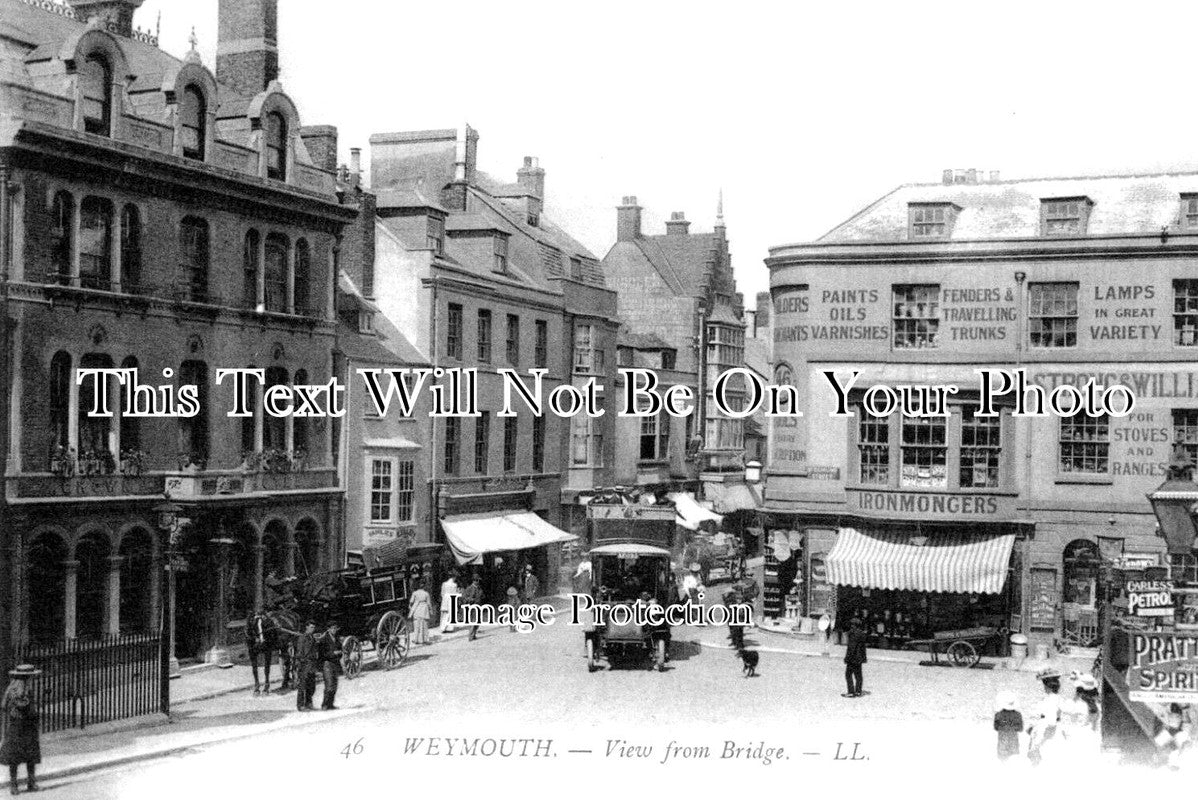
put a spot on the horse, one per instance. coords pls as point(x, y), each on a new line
point(267, 633)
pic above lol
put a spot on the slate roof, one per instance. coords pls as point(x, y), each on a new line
point(642, 341)
point(1122, 204)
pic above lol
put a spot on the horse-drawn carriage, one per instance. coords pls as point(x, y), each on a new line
point(370, 608)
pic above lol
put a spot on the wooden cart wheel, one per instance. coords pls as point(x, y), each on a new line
point(392, 640)
point(592, 662)
point(659, 658)
point(351, 657)
point(963, 654)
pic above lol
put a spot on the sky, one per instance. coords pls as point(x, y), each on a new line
point(801, 113)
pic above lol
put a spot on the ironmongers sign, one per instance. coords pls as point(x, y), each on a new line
point(1164, 667)
point(1150, 598)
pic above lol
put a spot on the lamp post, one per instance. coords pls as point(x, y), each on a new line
point(169, 522)
point(1173, 503)
point(219, 654)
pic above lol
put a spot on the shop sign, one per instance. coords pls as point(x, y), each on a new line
point(821, 597)
point(1164, 667)
point(959, 506)
point(636, 511)
point(1150, 598)
point(1043, 599)
point(822, 473)
point(1135, 561)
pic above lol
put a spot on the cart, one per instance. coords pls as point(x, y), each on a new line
point(622, 572)
point(371, 609)
point(962, 648)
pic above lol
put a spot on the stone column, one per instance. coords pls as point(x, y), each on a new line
point(156, 577)
point(259, 567)
point(70, 586)
point(113, 611)
point(114, 249)
point(261, 275)
point(289, 556)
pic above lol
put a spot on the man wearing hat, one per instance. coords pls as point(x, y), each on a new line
point(307, 662)
point(19, 716)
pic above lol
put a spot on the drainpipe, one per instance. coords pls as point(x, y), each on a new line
point(1025, 567)
point(433, 505)
point(7, 539)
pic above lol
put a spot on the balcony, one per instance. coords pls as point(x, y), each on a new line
point(81, 486)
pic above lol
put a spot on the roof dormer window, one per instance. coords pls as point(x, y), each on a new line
point(500, 264)
point(1189, 210)
point(276, 146)
point(95, 78)
point(931, 220)
point(1064, 216)
point(193, 111)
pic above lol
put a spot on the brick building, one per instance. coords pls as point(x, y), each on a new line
point(474, 273)
point(1069, 279)
point(168, 218)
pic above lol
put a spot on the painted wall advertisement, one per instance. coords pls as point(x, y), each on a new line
point(1150, 598)
point(1164, 667)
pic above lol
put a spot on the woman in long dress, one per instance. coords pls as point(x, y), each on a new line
point(420, 604)
point(449, 590)
point(20, 743)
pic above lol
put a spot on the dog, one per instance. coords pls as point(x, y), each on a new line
point(750, 659)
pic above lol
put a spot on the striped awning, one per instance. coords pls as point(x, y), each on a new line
point(935, 562)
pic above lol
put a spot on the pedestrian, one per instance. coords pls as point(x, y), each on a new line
point(449, 590)
point(1046, 716)
point(532, 586)
point(473, 596)
point(584, 575)
point(1172, 738)
point(329, 650)
point(419, 610)
point(307, 662)
point(691, 585)
point(1009, 724)
point(513, 600)
point(854, 658)
point(736, 633)
point(19, 743)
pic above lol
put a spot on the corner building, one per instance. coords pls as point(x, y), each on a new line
point(932, 524)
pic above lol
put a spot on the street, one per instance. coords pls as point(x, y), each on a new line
point(507, 700)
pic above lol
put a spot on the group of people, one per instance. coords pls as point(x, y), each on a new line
point(525, 589)
point(317, 653)
point(1060, 730)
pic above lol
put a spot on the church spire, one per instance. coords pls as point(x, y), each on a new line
point(719, 210)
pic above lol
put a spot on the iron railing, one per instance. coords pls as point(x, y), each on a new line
point(88, 682)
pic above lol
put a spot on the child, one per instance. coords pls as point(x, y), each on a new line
point(1008, 722)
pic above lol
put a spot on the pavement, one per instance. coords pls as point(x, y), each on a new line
point(211, 706)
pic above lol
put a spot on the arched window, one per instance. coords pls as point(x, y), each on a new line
point(249, 261)
point(276, 146)
point(93, 431)
point(62, 224)
point(276, 273)
point(130, 426)
point(47, 588)
point(131, 249)
point(193, 431)
point(307, 548)
point(193, 111)
point(193, 252)
point(95, 243)
point(303, 277)
point(137, 577)
point(299, 429)
point(91, 587)
point(60, 401)
point(95, 83)
point(249, 442)
point(274, 429)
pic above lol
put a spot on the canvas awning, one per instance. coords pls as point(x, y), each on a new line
point(472, 535)
point(936, 562)
point(638, 549)
point(690, 513)
point(726, 498)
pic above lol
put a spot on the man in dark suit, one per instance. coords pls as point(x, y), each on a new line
point(854, 657)
point(307, 661)
point(328, 647)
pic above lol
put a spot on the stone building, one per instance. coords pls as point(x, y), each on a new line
point(1068, 279)
point(178, 221)
point(474, 273)
point(679, 289)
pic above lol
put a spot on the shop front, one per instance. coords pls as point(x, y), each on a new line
point(907, 584)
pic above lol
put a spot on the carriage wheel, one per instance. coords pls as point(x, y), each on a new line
point(963, 654)
point(659, 658)
point(392, 640)
point(351, 657)
point(592, 662)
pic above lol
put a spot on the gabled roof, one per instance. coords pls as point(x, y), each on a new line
point(1122, 204)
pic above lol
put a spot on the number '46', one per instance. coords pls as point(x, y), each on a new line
point(354, 749)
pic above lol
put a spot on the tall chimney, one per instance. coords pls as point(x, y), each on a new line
point(677, 224)
point(628, 220)
point(355, 161)
point(321, 142)
point(247, 46)
point(116, 14)
point(532, 177)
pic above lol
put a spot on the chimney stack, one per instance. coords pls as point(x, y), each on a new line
point(532, 177)
point(117, 15)
point(677, 224)
point(247, 47)
point(355, 161)
point(321, 142)
point(628, 220)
